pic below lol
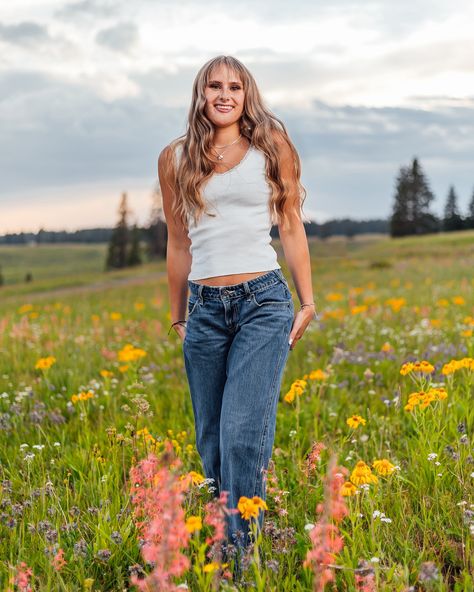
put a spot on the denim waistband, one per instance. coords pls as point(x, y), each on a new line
point(236, 290)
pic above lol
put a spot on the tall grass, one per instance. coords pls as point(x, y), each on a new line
point(72, 428)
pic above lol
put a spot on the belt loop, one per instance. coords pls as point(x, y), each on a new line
point(247, 290)
point(200, 289)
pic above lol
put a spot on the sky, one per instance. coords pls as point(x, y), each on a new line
point(92, 90)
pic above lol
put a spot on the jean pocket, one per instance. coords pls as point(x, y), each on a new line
point(275, 295)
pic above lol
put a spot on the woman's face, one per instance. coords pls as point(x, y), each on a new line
point(224, 97)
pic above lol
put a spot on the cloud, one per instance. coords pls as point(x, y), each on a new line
point(121, 37)
point(88, 9)
point(26, 33)
point(58, 134)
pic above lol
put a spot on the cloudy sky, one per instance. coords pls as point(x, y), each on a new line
point(92, 90)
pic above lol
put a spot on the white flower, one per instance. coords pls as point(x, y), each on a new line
point(23, 446)
point(374, 560)
point(38, 446)
point(309, 526)
point(384, 519)
point(432, 455)
point(364, 437)
point(377, 514)
point(57, 444)
point(472, 475)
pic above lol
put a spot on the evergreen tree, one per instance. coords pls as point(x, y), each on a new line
point(452, 219)
point(134, 256)
point(2, 281)
point(157, 234)
point(117, 251)
point(469, 220)
point(410, 214)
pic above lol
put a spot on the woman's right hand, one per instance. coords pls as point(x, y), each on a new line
point(181, 331)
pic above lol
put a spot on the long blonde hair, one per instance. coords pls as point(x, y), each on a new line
point(256, 123)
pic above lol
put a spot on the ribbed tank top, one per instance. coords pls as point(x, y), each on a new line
point(237, 239)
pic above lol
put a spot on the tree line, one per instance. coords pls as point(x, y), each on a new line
point(411, 208)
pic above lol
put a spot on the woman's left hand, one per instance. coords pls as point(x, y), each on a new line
point(302, 319)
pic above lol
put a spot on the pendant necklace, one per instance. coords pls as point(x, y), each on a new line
point(221, 155)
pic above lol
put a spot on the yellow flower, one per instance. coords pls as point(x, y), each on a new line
point(334, 297)
point(196, 477)
point(123, 368)
point(318, 375)
point(25, 308)
point(296, 389)
point(358, 309)
point(362, 474)
point(458, 300)
point(115, 316)
point(106, 373)
point(193, 523)
point(396, 303)
point(423, 366)
point(355, 421)
point(250, 507)
point(383, 466)
point(129, 353)
point(209, 567)
point(82, 396)
point(258, 501)
point(45, 363)
point(348, 489)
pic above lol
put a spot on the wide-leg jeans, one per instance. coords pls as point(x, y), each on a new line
point(235, 350)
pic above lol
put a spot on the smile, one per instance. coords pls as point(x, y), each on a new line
point(224, 108)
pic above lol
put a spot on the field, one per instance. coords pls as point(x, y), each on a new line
point(377, 440)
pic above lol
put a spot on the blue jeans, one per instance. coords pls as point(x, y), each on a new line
point(235, 350)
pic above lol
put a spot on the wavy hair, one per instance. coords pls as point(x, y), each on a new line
point(257, 124)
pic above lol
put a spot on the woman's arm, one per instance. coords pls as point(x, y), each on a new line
point(178, 256)
point(295, 243)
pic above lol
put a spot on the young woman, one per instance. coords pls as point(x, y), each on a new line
point(237, 161)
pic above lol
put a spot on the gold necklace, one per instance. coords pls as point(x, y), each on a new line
point(221, 155)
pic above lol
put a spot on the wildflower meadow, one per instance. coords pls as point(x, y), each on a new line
point(370, 486)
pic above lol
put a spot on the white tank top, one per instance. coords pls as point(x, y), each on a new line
point(237, 239)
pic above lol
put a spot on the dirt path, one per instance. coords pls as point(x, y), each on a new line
point(89, 288)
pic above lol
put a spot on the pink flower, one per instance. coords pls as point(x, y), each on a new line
point(58, 560)
point(22, 577)
point(157, 496)
point(325, 537)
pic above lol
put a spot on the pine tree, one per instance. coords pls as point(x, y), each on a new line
point(469, 220)
point(157, 232)
point(452, 219)
point(410, 214)
point(134, 256)
point(117, 251)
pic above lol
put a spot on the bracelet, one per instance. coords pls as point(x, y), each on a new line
point(176, 323)
point(315, 316)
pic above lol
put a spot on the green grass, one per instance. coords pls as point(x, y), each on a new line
point(74, 494)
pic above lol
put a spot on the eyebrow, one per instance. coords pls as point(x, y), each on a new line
point(233, 82)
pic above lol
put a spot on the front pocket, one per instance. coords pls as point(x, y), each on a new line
point(278, 295)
